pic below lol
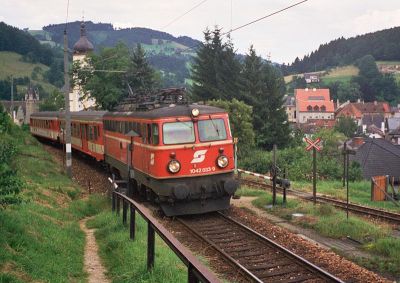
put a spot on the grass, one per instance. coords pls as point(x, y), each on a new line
point(330, 222)
point(40, 239)
point(359, 192)
point(126, 259)
point(11, 64)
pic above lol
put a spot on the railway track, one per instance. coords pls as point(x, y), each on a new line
point(355, 208)
point(254, 256)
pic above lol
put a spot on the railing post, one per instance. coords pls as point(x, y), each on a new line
point(124, 211)
point(150, 246)
point(118, 200)
point(192, 278)
point(284, 188)
point(132, 223)
point(113, 201)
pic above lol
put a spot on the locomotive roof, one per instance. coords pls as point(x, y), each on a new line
point(171, 111)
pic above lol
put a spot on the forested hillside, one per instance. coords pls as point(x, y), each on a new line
point(382, 45)
point(103, 34)
point(165, 52)
point(16, 40)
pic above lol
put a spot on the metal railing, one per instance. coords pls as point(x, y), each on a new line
point(197, 272)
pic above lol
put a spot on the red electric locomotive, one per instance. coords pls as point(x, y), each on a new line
point(182, 156)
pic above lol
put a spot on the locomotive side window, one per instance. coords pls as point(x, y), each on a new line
point(178, 132)
point(144, 133)
point(155, 135)
point(212, 130)
point(149, 141)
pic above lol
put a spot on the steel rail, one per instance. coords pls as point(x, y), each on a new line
point(313, 269)
point(356, 208)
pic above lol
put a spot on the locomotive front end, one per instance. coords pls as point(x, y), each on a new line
point(198, 158)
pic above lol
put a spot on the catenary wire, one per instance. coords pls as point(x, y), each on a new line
point(184, 14)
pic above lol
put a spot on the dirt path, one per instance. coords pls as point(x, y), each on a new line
point(92, 263)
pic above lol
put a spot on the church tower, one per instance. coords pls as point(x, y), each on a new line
point(81, 49)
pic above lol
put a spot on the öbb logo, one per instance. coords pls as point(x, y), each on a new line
point(199, 156)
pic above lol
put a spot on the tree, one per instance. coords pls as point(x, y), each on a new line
point(240, 117)
point(374, 85)
point(270, 119)
point(251, 87)
point(347, 126)
point(105, 76)
point(367, 77)
point(216, 71)
point(108, 88)
point(54, 102)
point(140, 76)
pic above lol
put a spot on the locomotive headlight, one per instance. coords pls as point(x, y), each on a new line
point(222, 161)
point(195, 112)
point(174, 166)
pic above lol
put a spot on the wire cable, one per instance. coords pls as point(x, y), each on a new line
point(250, 23)
point(264, 17)
point(184, 14)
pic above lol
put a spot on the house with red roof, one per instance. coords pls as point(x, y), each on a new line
point(357, 110)
point(313, 104)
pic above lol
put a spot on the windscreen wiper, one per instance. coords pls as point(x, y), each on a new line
point(215, 126)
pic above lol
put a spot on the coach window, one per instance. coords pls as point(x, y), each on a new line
point(90, 133)
point(154, 134)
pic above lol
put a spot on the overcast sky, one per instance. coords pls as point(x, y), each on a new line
point(295, 32)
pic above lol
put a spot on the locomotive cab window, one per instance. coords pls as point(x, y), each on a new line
point(154, 134)
point(212, 130)
point(178, 132)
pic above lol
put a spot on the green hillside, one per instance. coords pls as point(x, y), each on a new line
point(342, 74)
point(11, 64)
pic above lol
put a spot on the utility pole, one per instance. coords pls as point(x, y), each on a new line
point(12, 98)
point(67, 140)
point(274, 173)
point(344, 163)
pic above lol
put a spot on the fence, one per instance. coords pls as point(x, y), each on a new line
point(197, 272)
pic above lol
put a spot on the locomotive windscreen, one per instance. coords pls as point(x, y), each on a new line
point(178, 132)
point(212, 130)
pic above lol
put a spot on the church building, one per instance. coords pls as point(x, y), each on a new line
point(81, 49)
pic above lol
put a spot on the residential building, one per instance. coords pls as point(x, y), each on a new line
point(393, 130)
point(314, 104)
point(290, 108)
point(378, 157)
point(357, 110)
point(311, 78)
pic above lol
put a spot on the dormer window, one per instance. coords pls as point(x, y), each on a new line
point(316, 108)
point(309, 108)
point(323, 108)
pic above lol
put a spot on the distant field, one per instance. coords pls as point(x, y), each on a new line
point(342, 74)
point(11, 64)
